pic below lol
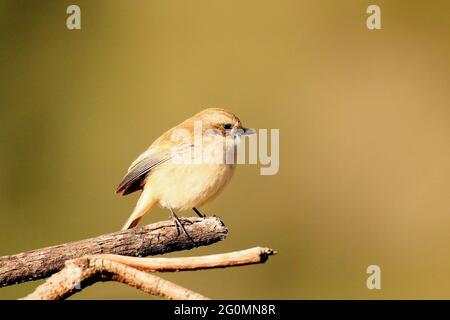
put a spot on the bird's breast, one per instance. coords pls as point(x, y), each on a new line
point(184, 186)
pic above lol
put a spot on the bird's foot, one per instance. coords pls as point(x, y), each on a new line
point(179, 226)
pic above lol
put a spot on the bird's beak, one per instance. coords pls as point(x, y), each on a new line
point(246, 131)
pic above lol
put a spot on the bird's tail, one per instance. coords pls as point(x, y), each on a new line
point(144, 204)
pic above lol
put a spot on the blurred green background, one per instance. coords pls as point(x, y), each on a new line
point(364, 119)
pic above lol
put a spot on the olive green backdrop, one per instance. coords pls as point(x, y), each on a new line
point(364, 119)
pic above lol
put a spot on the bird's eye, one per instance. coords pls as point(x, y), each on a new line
point(227, 126)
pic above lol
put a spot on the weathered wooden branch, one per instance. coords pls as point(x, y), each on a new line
point(129, 270)
point(221, 260)
point(157, 238)
point(83, 272)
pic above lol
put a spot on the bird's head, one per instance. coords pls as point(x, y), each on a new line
point(222, 121)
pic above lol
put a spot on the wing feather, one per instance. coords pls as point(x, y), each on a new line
point(134, 179)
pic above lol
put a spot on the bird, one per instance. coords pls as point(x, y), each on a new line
point(180, 173)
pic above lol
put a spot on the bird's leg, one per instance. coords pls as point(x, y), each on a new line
point(178, 224)
point(201, 215)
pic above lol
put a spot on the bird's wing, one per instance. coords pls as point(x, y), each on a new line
point(139, 170)
point(133, 180)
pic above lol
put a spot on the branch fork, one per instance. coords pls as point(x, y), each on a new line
point(116, 257)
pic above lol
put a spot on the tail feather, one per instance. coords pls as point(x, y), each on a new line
point(144, 204)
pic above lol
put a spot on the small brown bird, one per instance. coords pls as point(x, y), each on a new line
point(176, 171)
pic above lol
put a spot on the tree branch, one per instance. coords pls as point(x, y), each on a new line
point(157, 238)
point(221, 260)
point(83, 272)
point(90, 269)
